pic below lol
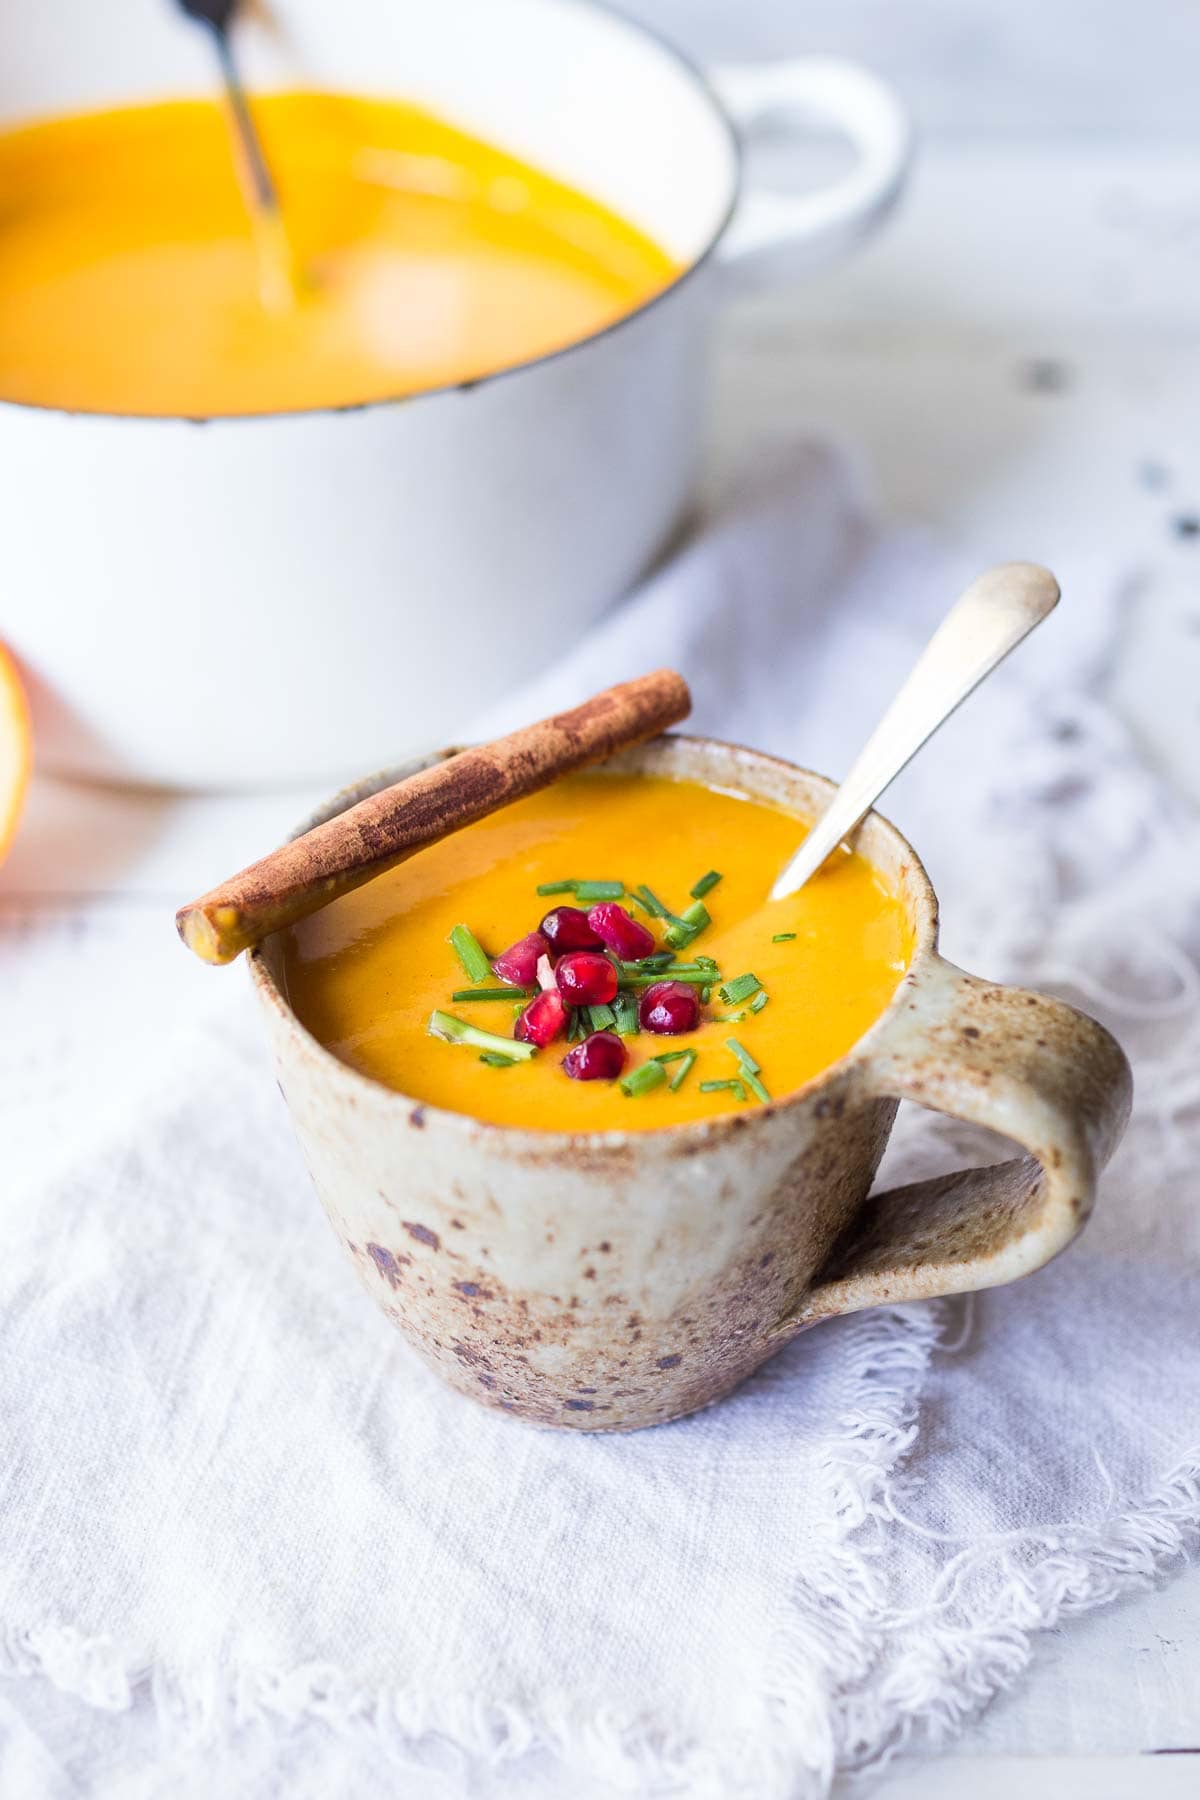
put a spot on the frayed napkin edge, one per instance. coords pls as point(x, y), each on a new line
point(802, 1732)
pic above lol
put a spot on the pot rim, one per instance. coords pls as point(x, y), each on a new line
point(689, 1135)
point(636, 28)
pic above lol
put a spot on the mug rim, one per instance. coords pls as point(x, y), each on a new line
point(689, 1134)
point(636, 29)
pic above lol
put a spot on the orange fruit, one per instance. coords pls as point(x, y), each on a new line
point(16, 749)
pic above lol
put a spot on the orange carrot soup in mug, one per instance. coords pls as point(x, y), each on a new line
point(130, 277)
point(600, 957)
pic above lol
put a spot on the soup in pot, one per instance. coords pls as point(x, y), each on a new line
point(130, 278)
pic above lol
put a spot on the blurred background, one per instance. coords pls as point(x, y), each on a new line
point(970, 69)
point(1014, 357)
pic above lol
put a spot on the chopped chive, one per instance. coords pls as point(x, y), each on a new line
point(691, 977)
point(641, 1080)
point(504, 993)
point(694, 919)
point(663, 962)
point(706, 884)
point(470, 953)
point(705, 995)
point(651, 902)
point(716, 1087)
point(740, 988)
point(759, 1001)
point(733, 1018)
point(659, 959)
point(601, 1018)
point(578, 1026)
point(704, 962)
point(457, 1031)
point(784, 937)
point(684, 1070)
point(751, 1070)
point(651, 968)
point(599, 890)
point(494, 1060)
point(625, 1015)
point(585, 890)
point(670, 1056)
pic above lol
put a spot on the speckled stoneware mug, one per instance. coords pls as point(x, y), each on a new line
point(612, 1280)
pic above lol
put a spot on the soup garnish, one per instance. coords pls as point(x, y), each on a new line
point(574, 1007)
point(584, 963)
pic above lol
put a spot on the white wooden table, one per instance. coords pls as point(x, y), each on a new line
point(1018, 363)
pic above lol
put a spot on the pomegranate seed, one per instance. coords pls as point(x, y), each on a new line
point(585, 979)
point(669, 1007)
point(566, 928)
point(621, 931)
point(600, 1057)
point(518, 964)
point(542, 1020)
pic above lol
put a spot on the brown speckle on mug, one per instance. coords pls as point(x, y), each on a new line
point(422, 1234)
point(385, 1262)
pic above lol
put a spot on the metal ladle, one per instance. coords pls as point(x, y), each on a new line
point(277, 276)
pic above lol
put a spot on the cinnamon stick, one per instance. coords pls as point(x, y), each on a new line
point(373, 836)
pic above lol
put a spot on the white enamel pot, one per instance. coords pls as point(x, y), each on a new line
point(395, 566)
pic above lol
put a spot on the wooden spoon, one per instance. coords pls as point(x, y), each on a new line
point(978, 632)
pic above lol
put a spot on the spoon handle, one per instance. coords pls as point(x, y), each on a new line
point(978, 632)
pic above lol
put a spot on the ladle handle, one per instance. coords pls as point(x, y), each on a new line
point(989, 620)
point(262, 185)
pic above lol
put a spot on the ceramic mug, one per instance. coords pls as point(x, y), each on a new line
point(613, 1280)
point(154, 569)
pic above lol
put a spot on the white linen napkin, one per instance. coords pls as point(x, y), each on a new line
point(273, 1555)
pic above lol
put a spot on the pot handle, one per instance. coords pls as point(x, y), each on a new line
point(791, 231)
point(1023, 1065)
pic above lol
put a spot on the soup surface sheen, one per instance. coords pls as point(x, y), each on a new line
point(365, 973)
point(130, 278)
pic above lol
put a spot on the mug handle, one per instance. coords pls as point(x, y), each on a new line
point(795, 230)
point(1023, 1065)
